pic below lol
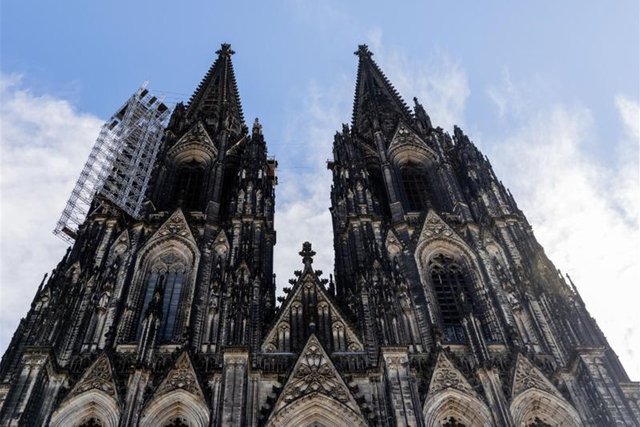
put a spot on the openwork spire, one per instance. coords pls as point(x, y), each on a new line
point(377, 104)
point(216, 100)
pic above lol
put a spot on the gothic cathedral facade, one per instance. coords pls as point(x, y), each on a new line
point(444, 310)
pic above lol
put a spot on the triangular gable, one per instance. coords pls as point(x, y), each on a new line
point(405, 137)
point(98, 376)
point(181, 377)
point(393, 244)
point(436, 228)
point(221, 245)
point(526, 376)
point(176, 225)
point(447, 376)
point(315, 373)
point(123, 239)
point(198, 136)
point(306, 280)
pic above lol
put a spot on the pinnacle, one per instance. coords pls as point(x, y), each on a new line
point(307, 254)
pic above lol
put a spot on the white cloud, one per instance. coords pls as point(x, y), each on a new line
point(583, 212)
point(302, 196)
point(507, 96)
point(43, 145)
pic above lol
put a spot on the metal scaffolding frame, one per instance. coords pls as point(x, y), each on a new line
point(120, 163)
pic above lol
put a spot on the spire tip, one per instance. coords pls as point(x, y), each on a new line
point(363, 51)
point(225, 49)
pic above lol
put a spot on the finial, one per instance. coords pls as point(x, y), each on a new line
point(225, 49)
point(307, 254)
point(363, 51)
point(257, 127)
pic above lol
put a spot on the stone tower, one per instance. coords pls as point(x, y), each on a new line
point(444, 310)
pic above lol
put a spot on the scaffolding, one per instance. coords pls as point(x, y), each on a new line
point(120, 163)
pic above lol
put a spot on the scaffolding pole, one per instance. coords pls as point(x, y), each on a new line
point(120, 163)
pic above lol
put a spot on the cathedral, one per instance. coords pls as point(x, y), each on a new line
point(443, 309)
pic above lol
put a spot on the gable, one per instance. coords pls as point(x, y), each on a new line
point(314, 373)
point(526, 376)
point(309, 300)
point(182, 376)
point(195, 144)
point(447, 376)
point(175, 226)
point(98, 376)
point(407, 145)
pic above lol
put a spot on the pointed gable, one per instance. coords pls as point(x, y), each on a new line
point(182, 376)
point(309, 307)
point(314, 372)
point(375, 98)
point(436, 228)
point(216, 100)
point(99, 376)
point(406, 142)
point(526, 376)
point(195, 144)
point(176, 225)
point(447, 376)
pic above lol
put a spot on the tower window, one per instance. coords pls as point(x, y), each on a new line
point(414, 184)
point(188, 186)
point(167, 275)
point(450, 285)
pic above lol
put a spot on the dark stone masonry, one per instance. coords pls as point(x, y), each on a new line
point(444, 309)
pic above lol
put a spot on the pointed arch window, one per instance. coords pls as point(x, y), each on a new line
point(188, 185)
point(451, 288)
point(167, 277)
point(414, 184)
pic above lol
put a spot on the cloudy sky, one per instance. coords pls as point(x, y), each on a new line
point(548, 90)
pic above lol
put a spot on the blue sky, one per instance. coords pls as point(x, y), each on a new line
point(548, 90)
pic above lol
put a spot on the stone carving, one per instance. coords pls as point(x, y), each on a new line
point(314, 373)
point(176, 225)
point(527, 376)
point(434, 226)
point(196, 138)
point(445, 376)
point(182, 376)
point(98, 376)
point(406, 141)
point(308, 292)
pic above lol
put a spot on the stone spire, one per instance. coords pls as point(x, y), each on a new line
point(216, 100)
point(377, 104)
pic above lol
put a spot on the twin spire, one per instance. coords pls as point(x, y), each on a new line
point(377, 104)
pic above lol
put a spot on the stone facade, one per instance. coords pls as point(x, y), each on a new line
point(444, 310)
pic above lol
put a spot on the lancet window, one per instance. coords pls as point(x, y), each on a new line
point(414, 184)
point(451, 289)
point(167, 277)
point(188, 185)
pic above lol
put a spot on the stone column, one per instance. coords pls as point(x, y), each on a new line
point(401, 389)
point(234, 388)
